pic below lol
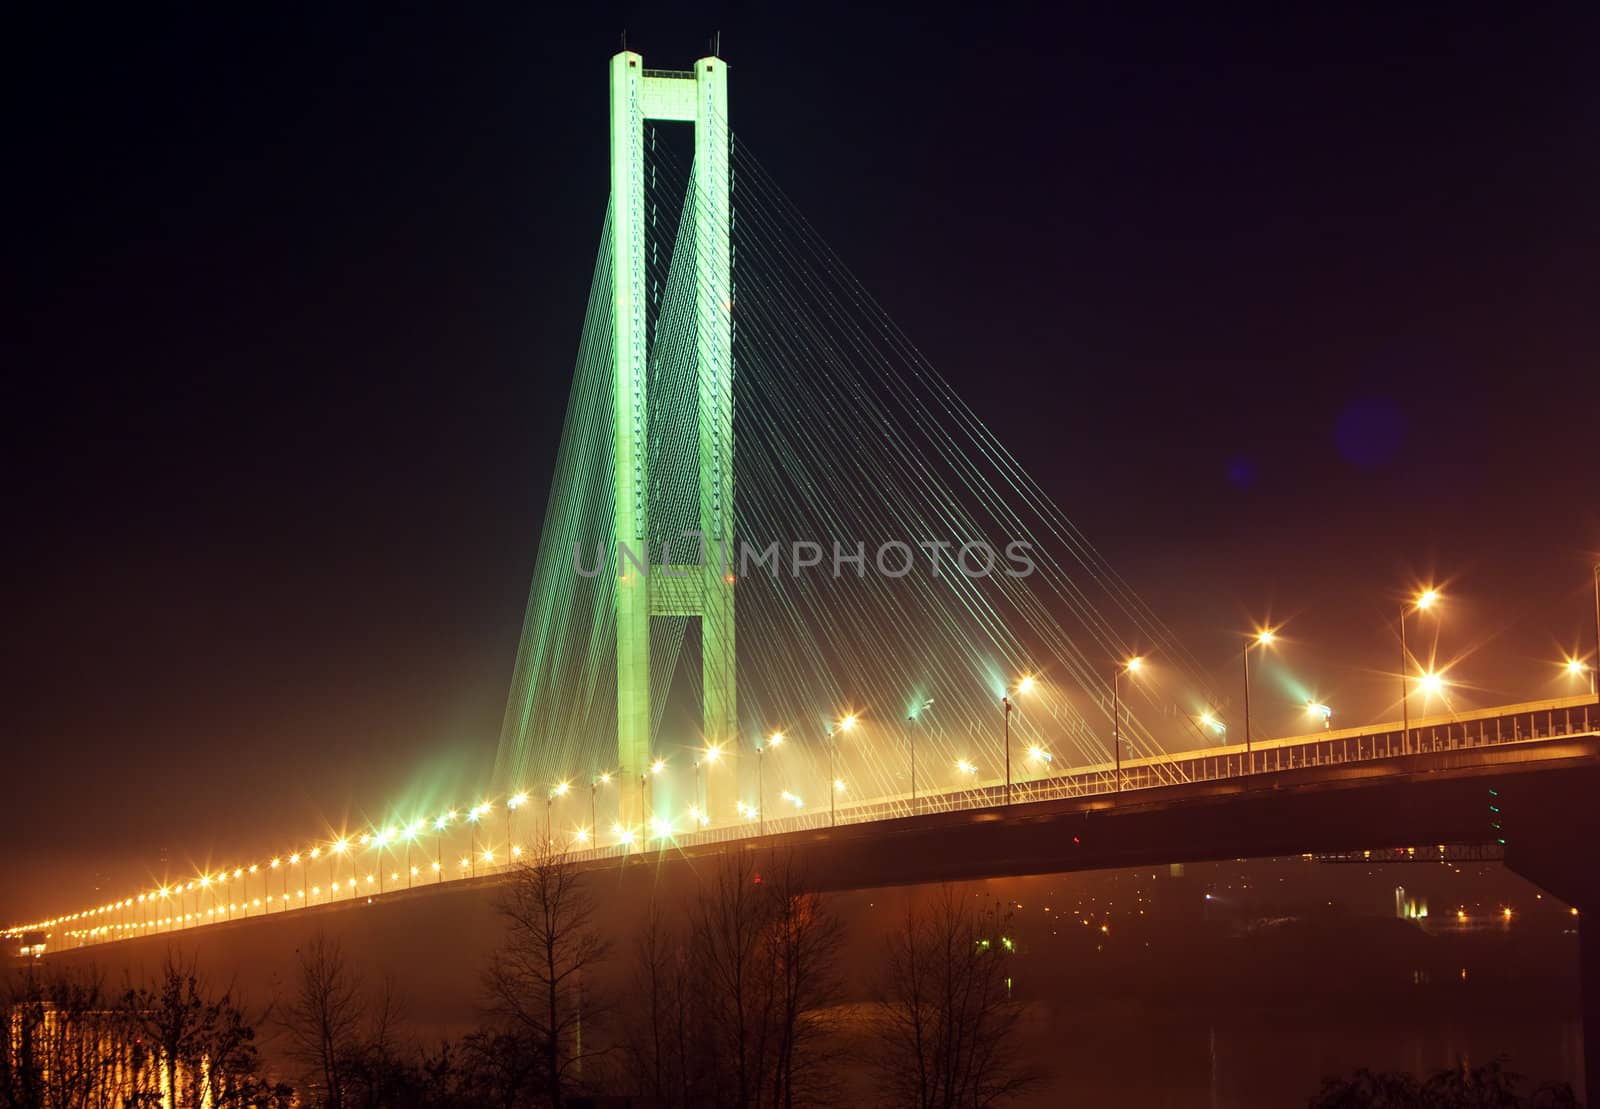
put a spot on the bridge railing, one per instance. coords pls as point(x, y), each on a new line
point(1530, 722)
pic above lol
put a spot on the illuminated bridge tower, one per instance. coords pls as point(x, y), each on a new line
point(703, 590)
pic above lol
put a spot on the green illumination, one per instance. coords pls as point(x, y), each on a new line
point(675, 589)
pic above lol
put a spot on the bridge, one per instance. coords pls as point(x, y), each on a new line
point(994, 699)
point(1354, 789)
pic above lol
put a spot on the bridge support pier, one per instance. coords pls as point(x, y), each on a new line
point(1551, 832)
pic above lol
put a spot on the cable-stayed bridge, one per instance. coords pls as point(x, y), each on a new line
point(791, 589)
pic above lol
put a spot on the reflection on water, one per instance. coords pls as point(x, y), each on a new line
point(1255, 1058)
point(1238, 1048)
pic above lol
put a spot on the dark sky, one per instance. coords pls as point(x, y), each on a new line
point(1287, 311)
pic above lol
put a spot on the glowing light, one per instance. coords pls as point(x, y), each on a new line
point(1506, 912)
point(1431, 682)
point(605, 779)
point(792, 799)
point(1135, 664)
point(1323, 712)
point(713, 753)
point(658, 766)
point(1266, 637)
point(1426, 599)
point(560, 789)
point(439, 825)
point(517, 801)
point(965, 766)
point(340, 847)
point(848, 723)
point(838, 785)
point(316, 852)
point(1210, 721)
point(274, 864)
point(1575, 666)
point(1038, 754)
point(581, 835)
point(1025, 684)
point(775, 739)
point(627, 838)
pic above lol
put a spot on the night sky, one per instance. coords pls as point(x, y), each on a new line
point(1289, 312)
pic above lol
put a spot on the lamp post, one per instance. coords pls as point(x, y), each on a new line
point(1424, 601)
point(774, 740)
point(594, 786)
point(649, 790)
point(439, 826)
point(911, 733)
point(473, 815)
point(1132, 666)
point(1024, 685)
point(1006, 704)
point(512, 805)
point(847, 723)
point(1264, 638)
point(339, 848)
point(560, 789)
point(1594, 671)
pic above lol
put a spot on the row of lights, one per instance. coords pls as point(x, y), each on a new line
point(1430, 682)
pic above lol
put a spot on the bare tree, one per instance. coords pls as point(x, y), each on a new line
point(944, 1032)
point(653, 1063)
point(54, 1053)
point(187, 1048)
point(761, 947)
point(541, 982)
point(802, 941)
point(324, 1018)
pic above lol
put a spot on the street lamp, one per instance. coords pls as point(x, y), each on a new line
point(709, 757)
point(911, 733)
point(774, 740)
point(560, 789)
point(1265, 638)
point(1424, 601)
point(380, 840)
point(1594, 680)
point(1005, 704)
point(474, 814)
point(439, 826)
point(340, 846)
point(594, 786)
point(512, 805)
point(846, 724)
point(1132, 666)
